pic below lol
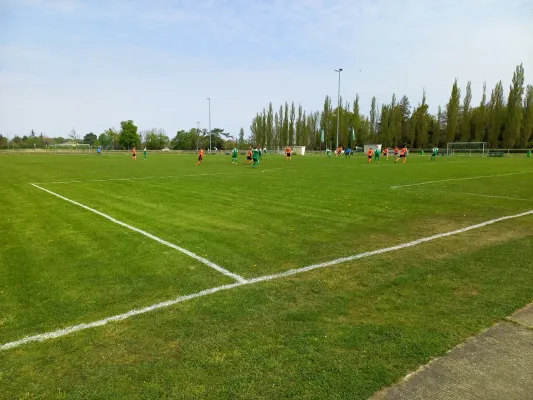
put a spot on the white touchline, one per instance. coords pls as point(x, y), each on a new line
point(175, 247)
point(144, 178)
point(492, 197)
point(459, 179)
point(71, 329)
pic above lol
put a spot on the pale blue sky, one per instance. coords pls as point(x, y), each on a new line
point(90, 64)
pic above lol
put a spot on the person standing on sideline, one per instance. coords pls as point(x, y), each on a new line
point(99, 151)
point(134, 153)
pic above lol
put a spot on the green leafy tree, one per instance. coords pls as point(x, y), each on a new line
point(373, 117)
point(496, 115)
point(356, 121)
point(422, 121)
point(269, 126)
point(90, 138)
point(292, 117)
point(241, 138)
point(285, 136)
point(299, 126)
point(515, 114)
point(480, 121)
point(466, 115)
point(184, 140)
point(4, 143)
point(452, 112)
point(325, 121)
point(384, 125)
point(436, 136)
point(527, 126)
point(128, 137)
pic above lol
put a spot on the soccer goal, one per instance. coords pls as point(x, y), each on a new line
point(72, 148)
point(468, 149)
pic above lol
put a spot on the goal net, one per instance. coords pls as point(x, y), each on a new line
point(72, 148)
point(466, 149)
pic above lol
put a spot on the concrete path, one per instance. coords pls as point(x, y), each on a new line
point(497, 364)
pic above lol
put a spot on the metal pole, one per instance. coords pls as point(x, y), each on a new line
point(338, 105)
point(209, 124)
point(197, 134)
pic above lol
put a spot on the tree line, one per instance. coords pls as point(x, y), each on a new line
point(500, 123)
point(128, 136)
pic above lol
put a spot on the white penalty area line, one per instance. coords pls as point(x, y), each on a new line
point(75, 328)
point(205, 261)
point(459, 179)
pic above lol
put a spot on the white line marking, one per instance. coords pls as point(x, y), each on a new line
point(143, 178)
point(459, 179)
point(175, 247)
point(71, 329)
point(492, 197)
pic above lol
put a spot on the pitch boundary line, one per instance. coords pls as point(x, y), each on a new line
point(492, 197)
point(459, 179)
point(203, 260)
point(75, 328)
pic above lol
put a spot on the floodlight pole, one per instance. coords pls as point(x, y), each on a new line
point(197, 134)
point(209, 124)
point(338, 105)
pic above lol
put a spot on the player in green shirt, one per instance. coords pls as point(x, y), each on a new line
point(234, 155)
point(145, 153)
point(435, 153)
point(328, 153)
point(255, 157)
point(377, 153)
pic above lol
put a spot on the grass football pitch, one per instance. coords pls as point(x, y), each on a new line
point(306, 279)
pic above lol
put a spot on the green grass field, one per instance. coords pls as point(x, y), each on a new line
point(339, 332)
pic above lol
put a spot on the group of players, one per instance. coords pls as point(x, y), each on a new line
point(256, 153)
point(253, 156)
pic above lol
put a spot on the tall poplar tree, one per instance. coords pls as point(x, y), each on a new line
point(466, 117)
point(514, 109)
point(373, 117)
point(527, 126)
point(496, 115)
point(299, 126)
point(480, 122)
point(452, 112)
point(291, 124)
point(269, 126)
point(285, 137)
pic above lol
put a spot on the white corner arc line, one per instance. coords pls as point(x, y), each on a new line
point(459, 179)
point(203, 260)
point(75, 328)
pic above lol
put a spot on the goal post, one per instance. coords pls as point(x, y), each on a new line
point(468, 149)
